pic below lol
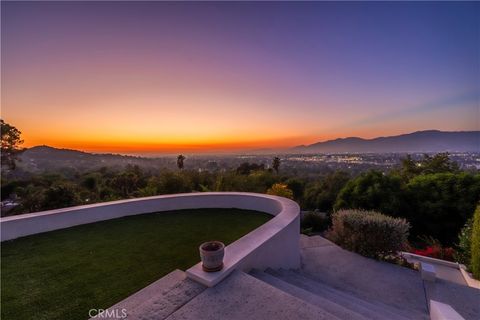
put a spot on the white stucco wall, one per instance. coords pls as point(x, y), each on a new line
point(274, 244)
point(442, 311)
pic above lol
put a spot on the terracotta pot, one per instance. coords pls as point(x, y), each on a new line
point(212, 253)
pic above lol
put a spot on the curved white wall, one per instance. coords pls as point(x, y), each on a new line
point(275, 244)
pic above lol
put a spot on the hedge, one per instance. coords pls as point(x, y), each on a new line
point(475, 247)
point(369, 233)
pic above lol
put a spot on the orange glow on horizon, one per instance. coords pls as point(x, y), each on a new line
point(100, 142)
point(162, 145)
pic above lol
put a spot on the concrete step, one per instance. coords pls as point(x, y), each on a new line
point(316, 300)
point(368, 309)
point(367, 278)
point(158, 300)
point(464, 300)
point(394, 309)
point(243, 297)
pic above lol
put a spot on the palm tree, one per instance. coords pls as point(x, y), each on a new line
point(276, 164)
point(180, 159)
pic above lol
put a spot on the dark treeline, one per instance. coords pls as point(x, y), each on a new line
point(433, 194)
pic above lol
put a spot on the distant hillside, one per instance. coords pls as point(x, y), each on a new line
point(420, 141)
point(41, 158)
point(45, 158)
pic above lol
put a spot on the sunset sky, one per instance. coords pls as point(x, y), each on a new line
point(157, 77)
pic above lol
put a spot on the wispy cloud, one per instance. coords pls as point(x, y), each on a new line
point(461, 100)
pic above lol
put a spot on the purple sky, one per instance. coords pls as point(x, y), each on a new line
point(156, 76)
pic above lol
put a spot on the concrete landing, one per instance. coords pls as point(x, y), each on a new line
point(242, 297)
point(366, 278)
point(313, 241)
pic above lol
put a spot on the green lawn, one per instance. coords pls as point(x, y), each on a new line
point(62, 274)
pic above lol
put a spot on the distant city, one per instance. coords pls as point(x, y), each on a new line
point(351, 162)
point(466, 160)
point(44, 158)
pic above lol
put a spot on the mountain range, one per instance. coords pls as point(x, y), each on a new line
point(40, 158)
point(430, 141)
point(416, 142)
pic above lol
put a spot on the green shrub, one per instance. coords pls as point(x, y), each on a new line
point(369, 233)
point(281, 190)
point(463, 254)
point(314, 222)
point(475, 246)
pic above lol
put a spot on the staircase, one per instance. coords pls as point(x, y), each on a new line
point(156, 301)
point(274, 294)
point(332, 284)
point(243, 297)
point(341, 304)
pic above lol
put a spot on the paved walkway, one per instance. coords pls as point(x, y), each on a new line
point(444, 272)
point(391, 284)
point(449, 274)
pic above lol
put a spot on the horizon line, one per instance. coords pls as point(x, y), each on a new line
point(199, 150)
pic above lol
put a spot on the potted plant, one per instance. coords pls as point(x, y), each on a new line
point(212, 253)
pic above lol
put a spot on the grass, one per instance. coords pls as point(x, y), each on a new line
point(62, 274)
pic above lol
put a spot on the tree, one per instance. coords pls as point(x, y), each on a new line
point(180, 160)
point(246, 168)
point(60, 195)
point(475, 246)
point(322, 194)
point(31, 198)
point(464, 246)
point(441, 204)
point(281, 190)
point(173, 182)
point(276, 164)
point(373, 190)
point(125, 183)
point(297, 186)
point(439, 163)
point(11, 142)
point(409, 167)
point(90, 182)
